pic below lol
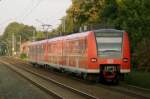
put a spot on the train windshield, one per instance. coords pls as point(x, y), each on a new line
point(109, 44)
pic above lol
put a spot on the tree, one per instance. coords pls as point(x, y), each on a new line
point(40, 35)
point(17, 29)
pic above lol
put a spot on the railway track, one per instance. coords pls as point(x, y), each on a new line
point(55, 88)
point(120, 89)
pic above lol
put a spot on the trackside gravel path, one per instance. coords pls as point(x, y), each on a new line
point(13, 86)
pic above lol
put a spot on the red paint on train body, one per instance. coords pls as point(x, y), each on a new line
point(103, 52)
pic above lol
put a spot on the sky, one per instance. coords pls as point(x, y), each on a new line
point(32, 12)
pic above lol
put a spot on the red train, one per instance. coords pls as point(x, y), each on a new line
point(103, 54)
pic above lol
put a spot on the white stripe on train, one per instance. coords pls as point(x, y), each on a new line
point(77, 69)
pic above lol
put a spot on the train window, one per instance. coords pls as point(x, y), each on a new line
point(109, 45)
point(66, 47)
point(49, 48)
point(75, 47)
point(82, 45)
point(54, 47)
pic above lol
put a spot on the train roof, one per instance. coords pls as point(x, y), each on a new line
point(76, 35)
point(37, 42)
point(71, 36)
point(66, 37)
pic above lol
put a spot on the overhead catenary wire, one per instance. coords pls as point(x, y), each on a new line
point(6, 21)
point(17, 17)
point(31, 10)
point(23, 16)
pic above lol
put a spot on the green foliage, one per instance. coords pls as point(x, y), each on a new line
point(142, 55)
point(40, 35)
point(3, 49)
point(17, 29)
point(141, 79)
point(23, 56)
point(83, 12)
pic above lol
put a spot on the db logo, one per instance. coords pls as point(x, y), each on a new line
point(110, 61)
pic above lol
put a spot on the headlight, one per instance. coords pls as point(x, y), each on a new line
point(93, 60)
point(125, 59)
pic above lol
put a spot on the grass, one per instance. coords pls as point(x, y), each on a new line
point(136, 78)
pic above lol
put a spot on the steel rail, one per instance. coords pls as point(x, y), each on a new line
point(88, 96)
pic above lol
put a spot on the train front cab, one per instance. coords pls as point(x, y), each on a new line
point(112, 56)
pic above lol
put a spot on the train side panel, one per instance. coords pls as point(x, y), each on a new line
point(125, 67)
point(75, 54)
point(92, 54)
point(54, 53)
point(32, 56)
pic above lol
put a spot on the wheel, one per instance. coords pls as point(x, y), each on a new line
point(85, 76)
point(34, 65)
point(62, 70)
point(101, 78)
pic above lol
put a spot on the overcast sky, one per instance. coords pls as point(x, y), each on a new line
point(28, 11)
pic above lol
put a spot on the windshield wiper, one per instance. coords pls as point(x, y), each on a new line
point(110, 50)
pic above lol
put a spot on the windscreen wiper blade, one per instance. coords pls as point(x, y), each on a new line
point(110, 50)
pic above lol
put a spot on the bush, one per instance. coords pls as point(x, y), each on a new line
point(142, 55)
point(23, 56)
point(136, 78)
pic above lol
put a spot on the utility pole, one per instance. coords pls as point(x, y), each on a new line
point(13, 44)
point(20, 43)
point(64, 21)
point(63, 24)
point(33, 39)
point(45, 28)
